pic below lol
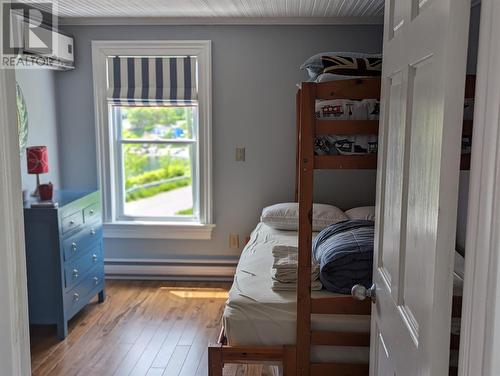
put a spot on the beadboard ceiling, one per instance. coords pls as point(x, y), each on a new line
point(224, 11)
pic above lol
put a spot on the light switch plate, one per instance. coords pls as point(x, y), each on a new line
point(240, 154)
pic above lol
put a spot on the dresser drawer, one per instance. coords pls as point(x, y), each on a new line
point(75, 299)
point(92, 212)
point(77, 244)
point(77, 269)
point(72, 221)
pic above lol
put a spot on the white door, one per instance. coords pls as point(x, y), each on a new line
point(425, 47)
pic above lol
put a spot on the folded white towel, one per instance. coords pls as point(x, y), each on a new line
point(285, 256)
point(279, 286)
point(285, 264)
point(286, 261)
point(291, 275)
point(283, 250)
point(290, 262)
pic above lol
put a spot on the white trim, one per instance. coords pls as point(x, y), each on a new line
point(14, 332)
point(480, 331)
point(129, 21)
point(148, 230)
point(171, 269)
point(105, 156)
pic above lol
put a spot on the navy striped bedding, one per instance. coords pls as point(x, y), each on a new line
point(344, 252)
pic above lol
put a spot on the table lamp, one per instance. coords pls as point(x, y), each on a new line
point(38, 163)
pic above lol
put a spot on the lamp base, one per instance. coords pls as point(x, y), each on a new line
point(36, 192)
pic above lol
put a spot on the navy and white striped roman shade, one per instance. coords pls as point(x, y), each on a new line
point(152, 81)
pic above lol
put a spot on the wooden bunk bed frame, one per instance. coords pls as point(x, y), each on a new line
point(296, 359)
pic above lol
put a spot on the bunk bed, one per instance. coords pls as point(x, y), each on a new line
point(296, 357)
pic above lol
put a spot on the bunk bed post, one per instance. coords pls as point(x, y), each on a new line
point(306, 173)
point(215, 363)
point(297, 145)
point(289, 361)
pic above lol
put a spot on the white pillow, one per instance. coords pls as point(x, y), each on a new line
point(285, 216)
point(363, 212)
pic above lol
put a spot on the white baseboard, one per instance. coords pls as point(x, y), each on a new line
point(171, 269)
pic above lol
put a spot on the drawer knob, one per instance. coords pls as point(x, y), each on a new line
point(76, 297)
point(71, 222)
point(96, 281)
point(92, 231)
point(91, 211)
point(94, 257)
point(75, 273)
point(73, 246)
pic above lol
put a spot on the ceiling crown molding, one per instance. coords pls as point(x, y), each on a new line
point(128, 21)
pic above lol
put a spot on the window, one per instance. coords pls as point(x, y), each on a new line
point(152, 102)
point(157, 154)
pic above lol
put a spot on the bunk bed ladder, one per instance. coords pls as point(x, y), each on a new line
point(308, 128)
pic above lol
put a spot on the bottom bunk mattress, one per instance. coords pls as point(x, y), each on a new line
point(255, 315)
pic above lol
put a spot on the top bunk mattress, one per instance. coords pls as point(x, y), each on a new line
point(255, 315)
point(339, 66)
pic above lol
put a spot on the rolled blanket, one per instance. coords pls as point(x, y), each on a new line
point(344, 252)
point(279, 286)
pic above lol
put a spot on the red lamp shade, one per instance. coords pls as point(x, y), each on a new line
point(38, 159)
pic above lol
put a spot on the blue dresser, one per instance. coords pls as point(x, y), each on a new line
point(64, 257)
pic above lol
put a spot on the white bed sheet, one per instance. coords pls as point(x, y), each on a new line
point(255, 315)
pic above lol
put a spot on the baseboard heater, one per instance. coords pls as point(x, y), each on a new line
point(172, 269)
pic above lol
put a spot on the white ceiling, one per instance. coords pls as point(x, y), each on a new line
point(225, 9)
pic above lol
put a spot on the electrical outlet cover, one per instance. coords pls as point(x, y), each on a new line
point(234, 241)
point(240, 154)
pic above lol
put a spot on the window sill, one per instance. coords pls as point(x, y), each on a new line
point(158, 230)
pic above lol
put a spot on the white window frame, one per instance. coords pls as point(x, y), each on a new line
point(113, 226)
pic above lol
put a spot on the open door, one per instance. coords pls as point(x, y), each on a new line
point(425, 47)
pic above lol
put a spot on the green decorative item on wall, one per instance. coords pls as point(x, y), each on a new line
point(22, 118)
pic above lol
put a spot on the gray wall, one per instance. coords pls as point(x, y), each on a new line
point(38, 87)
point(255, 69)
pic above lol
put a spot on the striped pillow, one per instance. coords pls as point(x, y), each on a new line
point(352, 66)
point(315, 65)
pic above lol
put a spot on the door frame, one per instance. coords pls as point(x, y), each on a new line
point(14, 330)
point(481, 297)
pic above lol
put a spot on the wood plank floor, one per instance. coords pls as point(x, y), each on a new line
point(148, 328)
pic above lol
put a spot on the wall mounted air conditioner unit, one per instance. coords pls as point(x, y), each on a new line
point(60, 55)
